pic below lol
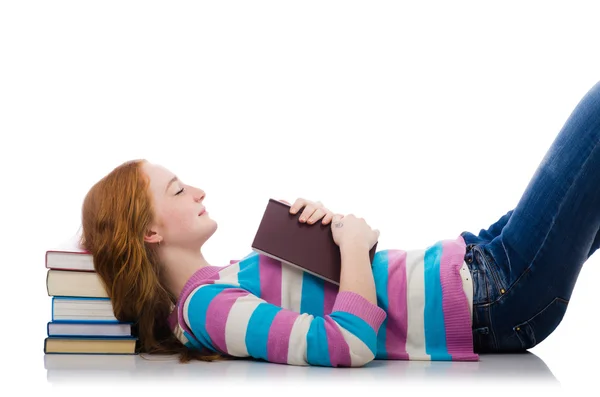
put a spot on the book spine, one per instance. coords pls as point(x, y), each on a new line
point(91, 337)
point(85, 337)
point(100, 298)
point(82, 321)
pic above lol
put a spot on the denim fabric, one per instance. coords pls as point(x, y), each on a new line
point(525, 265)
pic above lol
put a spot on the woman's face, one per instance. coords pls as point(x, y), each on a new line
point(177, 210)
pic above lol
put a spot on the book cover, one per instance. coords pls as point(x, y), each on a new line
point(280, 235)
point(87, 345)
point(70, 329)
point(74, 283)
point(63, 365)
point(69, 255)
point(69, 260)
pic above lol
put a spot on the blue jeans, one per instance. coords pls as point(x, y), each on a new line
point(525, 265)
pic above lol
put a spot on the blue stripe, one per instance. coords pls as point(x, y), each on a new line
point(193, 343)
point(249, 274)
point(435, 330)
point(197, 308)
point(380, 274)
point(257, 331)
point(312, 300)
point(317, 347)
point(359, 327)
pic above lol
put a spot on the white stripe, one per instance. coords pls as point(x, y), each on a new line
point(467, 283)
point(237, 324)
point(360, 354)
point(415, 304)
point(229, 275)
point(178, 331)
point(291, 287)
point(297, 347)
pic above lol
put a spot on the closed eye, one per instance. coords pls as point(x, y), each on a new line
point(180, 191)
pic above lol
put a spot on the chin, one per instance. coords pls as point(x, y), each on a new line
point(207, 231)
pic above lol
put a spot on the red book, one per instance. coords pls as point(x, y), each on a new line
point(69, 256)
point(282, 236)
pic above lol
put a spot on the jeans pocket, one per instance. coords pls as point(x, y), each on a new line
point(495, 281)
point(538, 327)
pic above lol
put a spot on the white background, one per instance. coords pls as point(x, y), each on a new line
point(425, 119)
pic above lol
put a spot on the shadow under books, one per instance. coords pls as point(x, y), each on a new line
point(73, 368)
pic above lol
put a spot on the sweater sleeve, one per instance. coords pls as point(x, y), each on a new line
point(235, 322)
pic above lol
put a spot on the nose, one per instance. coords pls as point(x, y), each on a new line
point(198, 195)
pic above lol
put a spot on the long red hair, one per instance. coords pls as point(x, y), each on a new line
point(116, 214)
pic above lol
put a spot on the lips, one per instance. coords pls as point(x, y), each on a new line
point(202, 212)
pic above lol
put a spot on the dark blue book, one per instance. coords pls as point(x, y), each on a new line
point(89, 329)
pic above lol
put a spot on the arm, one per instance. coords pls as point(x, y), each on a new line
point(357, 275)
point(238, 323)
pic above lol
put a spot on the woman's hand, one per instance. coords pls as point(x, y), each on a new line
point(313, 211)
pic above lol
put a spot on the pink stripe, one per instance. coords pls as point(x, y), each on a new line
point(206, 275)
point(339, 351)
point(172, 320)
point(330, 292)
point(459, 337)
point(270, 279)
point(353, 303)
point(278, 340)
point(397, 324)
point(217, 313)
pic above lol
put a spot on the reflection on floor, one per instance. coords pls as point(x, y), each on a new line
point(72, 369)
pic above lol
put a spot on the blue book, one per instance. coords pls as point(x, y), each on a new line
point(89, 329)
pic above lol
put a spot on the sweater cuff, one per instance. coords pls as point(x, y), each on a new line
point(356, 304)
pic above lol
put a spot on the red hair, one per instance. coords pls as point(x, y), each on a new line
point(117, 212)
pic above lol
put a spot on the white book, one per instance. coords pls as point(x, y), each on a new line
point(81, 309)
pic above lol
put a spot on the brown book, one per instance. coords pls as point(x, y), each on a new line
point(91, 345)
point(282, 236)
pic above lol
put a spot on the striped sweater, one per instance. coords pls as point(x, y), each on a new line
point(261, 308)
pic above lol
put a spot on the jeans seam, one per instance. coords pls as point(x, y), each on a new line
point(551, 228)
point(558, 210)
point(491, 328)
point(507, 257)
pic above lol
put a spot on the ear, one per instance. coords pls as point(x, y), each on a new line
point(152, 237)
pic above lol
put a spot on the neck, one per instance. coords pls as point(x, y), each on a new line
point(179, 264)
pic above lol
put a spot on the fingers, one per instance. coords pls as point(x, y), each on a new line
point(298, 204)
point(313, 211)
point(317, 213)
point(337, 217)
point(307, 212)
point(328, 217)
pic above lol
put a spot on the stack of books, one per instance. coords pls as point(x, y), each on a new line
point(82, 318)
